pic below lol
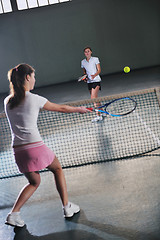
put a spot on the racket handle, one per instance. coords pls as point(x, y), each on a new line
point(91, 109)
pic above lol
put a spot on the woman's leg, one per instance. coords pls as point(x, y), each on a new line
point(27, 191)
point(56, 169)
point(69, 208)
point(94, 94)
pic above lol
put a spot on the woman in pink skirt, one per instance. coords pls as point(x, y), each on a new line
point(31, 154)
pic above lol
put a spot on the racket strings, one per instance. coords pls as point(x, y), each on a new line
point(121, 107)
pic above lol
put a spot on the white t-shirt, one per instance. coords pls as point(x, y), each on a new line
point(23, 119)
point(91, 68)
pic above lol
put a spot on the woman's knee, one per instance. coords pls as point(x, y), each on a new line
point(34, 179)
point(56, 170)
point(35, 183)
point(94, 95)
point(55, 167)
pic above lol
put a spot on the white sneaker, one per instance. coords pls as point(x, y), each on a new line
point(98, 118)
point(70, 210)
point(14, 220)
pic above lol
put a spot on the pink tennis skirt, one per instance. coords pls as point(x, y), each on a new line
point(33, 157)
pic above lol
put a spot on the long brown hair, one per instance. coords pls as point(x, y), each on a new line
point(16, 77)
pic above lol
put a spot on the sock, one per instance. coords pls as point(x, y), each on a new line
point(68, 205)
point(15, 213)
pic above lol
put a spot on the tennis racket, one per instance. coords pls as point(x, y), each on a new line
point(118, 107)
point(82, 78)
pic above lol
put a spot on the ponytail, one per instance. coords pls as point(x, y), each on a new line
point(16, 77)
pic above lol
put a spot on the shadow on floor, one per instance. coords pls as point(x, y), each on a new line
point(113, 231)
point(23, 234)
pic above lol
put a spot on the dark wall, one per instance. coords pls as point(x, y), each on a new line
point(52, 38)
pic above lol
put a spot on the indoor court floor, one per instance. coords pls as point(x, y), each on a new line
point(119, 200)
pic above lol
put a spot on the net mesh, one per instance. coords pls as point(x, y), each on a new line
point(77, 141)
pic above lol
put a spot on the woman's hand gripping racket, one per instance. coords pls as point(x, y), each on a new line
point(83, 78)
point(118, 107)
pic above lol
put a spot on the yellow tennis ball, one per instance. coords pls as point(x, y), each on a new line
point(126, 69)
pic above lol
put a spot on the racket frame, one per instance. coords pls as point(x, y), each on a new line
point(115, 100)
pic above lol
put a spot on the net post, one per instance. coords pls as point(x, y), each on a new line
point(157, 91)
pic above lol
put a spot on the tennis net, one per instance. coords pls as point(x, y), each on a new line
point(77, 141)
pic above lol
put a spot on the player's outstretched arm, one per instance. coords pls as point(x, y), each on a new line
point(64, 108)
